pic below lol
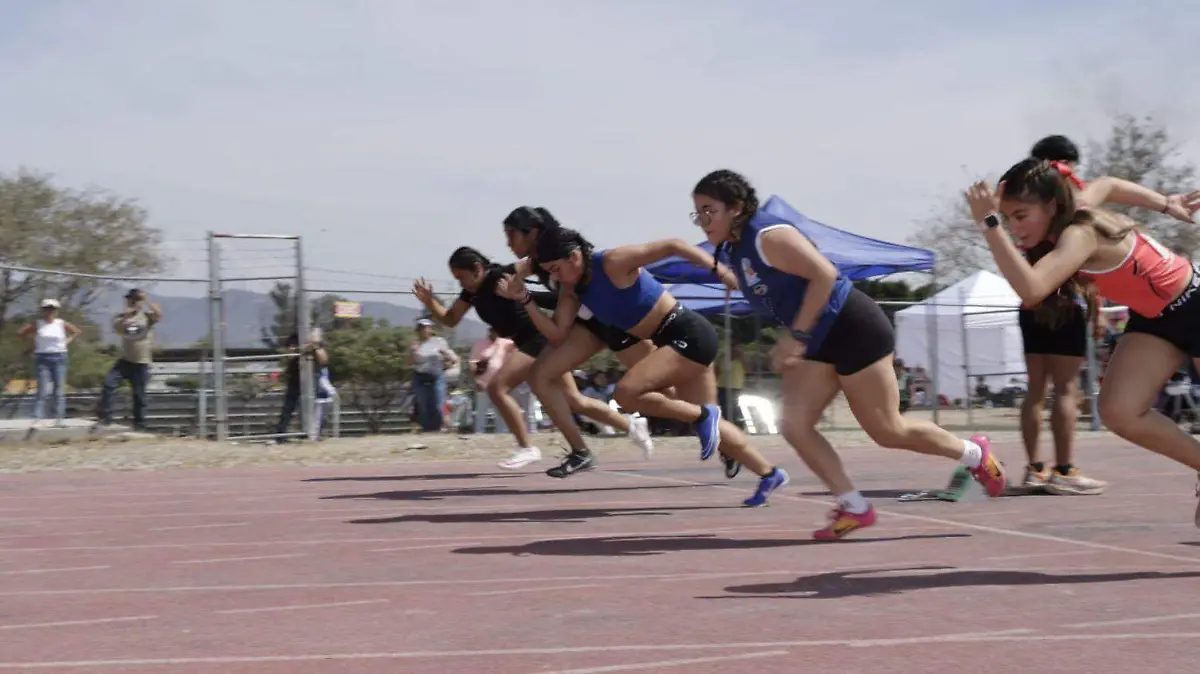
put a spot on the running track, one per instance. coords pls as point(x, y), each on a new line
point(637, 567)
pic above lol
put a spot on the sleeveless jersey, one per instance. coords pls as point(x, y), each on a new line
point(1147, 280)
point(777, 292)
point(619, 307)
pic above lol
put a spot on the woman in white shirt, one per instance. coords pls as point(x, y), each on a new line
point(51, 336)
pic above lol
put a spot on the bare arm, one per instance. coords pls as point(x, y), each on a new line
point(1182, 207)
point(626, 260)
point(72, 331)
point(790, 251)
point(447, 317)
point(154, 312)
point(1036, 282)
point(557, 328)
point(27, 330)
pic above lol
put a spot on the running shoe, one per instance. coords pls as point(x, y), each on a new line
point(842, 522)
point(1074, 484)
point(767, 484)
point(990, 472)
point(521, 458)
point(1035, 478)
point(709, 432)
point(573, 463)
point(639, 432)
point(732, 468)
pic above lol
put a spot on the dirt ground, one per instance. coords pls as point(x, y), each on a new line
point(156, 453)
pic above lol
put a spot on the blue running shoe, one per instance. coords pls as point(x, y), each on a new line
point(709, 431)
point(769, 483)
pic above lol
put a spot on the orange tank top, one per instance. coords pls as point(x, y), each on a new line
point(1147, 280)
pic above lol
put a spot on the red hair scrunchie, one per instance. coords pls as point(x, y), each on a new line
point(1068, 173)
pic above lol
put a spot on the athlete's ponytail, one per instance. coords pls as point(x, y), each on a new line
point(466, 258)
point(559, 243)
point(525, 219)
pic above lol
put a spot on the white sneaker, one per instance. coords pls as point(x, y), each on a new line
point(639, 432)
point(521, 458)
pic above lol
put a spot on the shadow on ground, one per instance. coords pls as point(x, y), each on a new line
point(421, 478)
point(632, 546)
point(867, 583)
point(548, 515)
point(439, 494)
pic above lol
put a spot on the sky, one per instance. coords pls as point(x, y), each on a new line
point(388, 133)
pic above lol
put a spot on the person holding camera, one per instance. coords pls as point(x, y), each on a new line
point(135, 326)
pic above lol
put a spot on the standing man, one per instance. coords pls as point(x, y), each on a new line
point(135, 327)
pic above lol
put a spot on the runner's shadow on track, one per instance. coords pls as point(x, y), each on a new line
point(552, 515)
point(839, 584)
point(638, 546)
point(439, 494)
point(431, 478)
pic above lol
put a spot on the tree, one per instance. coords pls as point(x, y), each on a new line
point(92, 231)
point(959, 250)
point(1140, 150)
point(283, 320)
point(369, 362)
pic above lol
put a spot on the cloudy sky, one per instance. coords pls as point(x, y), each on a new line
point(389, 132)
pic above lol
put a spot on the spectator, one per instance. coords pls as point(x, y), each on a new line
point(598, 388)
point(430, 356)
point(323, 388)
point(486, 358)
point(904, 382)
point(135, 326)
point(51, 336)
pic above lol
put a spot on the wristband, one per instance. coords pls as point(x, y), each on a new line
point(1167, 206)
point(802, 336)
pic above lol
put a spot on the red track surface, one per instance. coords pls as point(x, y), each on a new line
point(455, 567)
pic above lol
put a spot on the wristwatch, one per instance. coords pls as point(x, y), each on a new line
point(991, 220)
point(802, 336)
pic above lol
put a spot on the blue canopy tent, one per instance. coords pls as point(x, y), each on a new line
point(856, 257)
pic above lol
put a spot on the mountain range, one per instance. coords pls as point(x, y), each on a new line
point(185, 319)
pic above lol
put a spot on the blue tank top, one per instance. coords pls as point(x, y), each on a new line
point(777, 292)
point(619, 307)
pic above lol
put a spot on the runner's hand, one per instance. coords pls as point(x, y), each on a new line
point(511, 287)
point(1183, 206)
point(982, 200)
point(423, 291)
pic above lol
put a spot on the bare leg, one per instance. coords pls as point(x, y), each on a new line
point(808, 389)
point(1034, 403)
point(1139, 368)
point(1064, 374)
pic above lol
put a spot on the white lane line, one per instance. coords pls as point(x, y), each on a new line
point(71, 623)
point(425, 547)
point(218, 560)
point(1008, 636)
point(69, 568)
point(533, 589)
point(665, 663)
point(201, 526)
point(298, 607)
point(1136, 621)
point(946, 523)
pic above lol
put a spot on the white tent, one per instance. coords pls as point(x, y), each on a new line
point(977, 334)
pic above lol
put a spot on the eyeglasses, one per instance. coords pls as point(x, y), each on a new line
point(701, 218)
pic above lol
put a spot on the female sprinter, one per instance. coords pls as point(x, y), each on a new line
point(840, 339)
point(583, 339)
point(613, 287)
point(478, 277)
point(1126, 266)
point(1054, 334)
